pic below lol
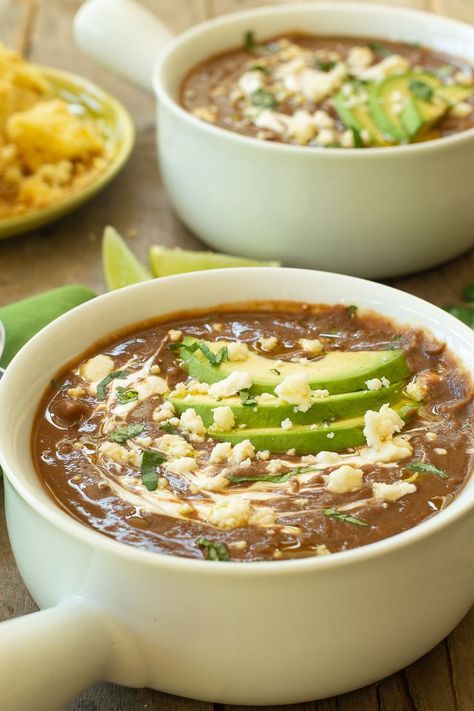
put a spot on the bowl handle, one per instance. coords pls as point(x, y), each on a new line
point(50, 656)
point(123, 36)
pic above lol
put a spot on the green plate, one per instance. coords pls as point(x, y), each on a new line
point(117, 129)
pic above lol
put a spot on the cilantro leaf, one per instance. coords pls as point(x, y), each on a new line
point(274, 479)
point(421, 89)
point(102, 386)
point(124, 395)
point(247, 399)
point(249, 41)
point(347, 518)
point(426, 467)
point(264, 99)
point(325, 66)
point(168, 427)
point(357, 136)
point(213, 549)
point(213, 358)
point(257, 67)
point(121, 434)
point(150, 461)
point(379, 49)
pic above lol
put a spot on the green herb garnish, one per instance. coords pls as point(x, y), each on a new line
point(214, 550)
point(57, 385)
point(357, 138)
point(275, 371)
point(275, 479)
point(351, 310)
point(325, 66)
point(264, 99)
point(121, 434)
point(150, 461)
point(247, 399)
point(249, 41)
point(380, 49)
point(421, 89)
point(333, 513)
point(259, 68)
point(168, 427)
point(102, 386)
point(213, 358)
point(426, 467)
point(124, 396)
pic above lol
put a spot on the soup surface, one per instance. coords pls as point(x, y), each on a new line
point(337, 92)
point(258, 432)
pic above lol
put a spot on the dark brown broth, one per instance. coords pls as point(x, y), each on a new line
point(223, 70)
point(75, 486)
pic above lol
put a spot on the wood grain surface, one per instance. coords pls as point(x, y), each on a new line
point(69, 252)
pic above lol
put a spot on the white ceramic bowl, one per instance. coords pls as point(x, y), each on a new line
point(376, 213)
point(220, 632)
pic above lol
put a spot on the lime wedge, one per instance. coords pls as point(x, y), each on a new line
point(165, 261)
point(121, 267)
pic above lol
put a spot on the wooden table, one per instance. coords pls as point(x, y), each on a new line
point(69, 252)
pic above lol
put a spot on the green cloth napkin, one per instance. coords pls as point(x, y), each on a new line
point(25, 318)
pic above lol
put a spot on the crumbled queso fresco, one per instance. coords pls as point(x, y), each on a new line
point(258, 434)
point(332, 92)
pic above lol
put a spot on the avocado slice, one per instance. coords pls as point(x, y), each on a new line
point(424, 105)
point(307, 439)
point(357, 115)
point(453, 93)
point(337, 371)
point(270, 413)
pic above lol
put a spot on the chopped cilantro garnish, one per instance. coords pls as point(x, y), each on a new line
point(168, 427)
point(102, 386)
point(325, 66)
point(121, 434)
point(249, 40)
point(124, 396)
point(421, 89)
point(150, 461)
point(214, 550)
point(213, 358)
point(347, 518)
point(380, 49)
point(426, 467)
point(351, 310)
point(275, 371)
point(275, 478)
point(357, 138)
point(247, 399)
point(264, 99)
point(259, 68)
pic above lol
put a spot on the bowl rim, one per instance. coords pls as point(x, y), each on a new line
point(66, 524)
point(165, 98)
point(122, 119)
